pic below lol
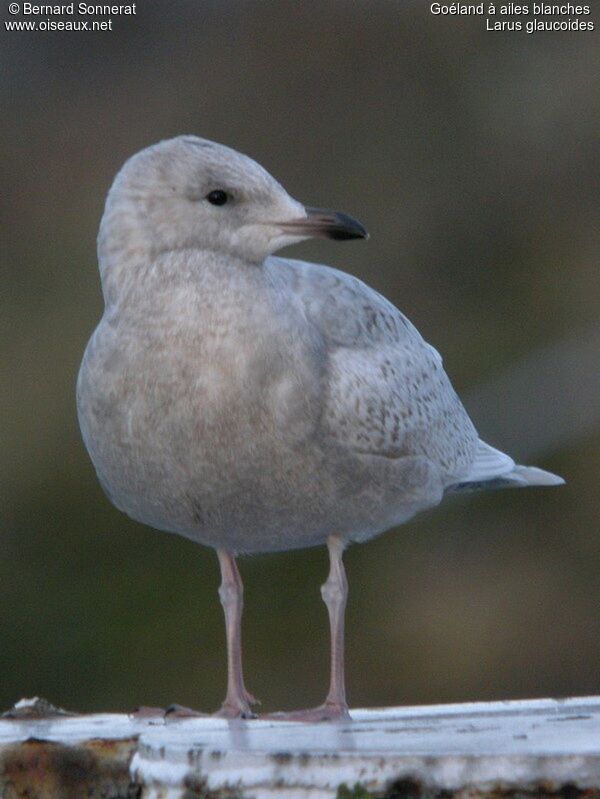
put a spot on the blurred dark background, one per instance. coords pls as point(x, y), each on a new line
point(472, 158)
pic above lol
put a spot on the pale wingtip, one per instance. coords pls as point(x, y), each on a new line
point(518, 477)
point(538, 477)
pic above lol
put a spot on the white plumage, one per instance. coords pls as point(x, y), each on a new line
point(257, 403)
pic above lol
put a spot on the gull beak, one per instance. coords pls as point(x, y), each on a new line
point(326, 224)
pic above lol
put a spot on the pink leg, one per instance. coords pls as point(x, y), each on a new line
point(335, 593)
point(238, 700)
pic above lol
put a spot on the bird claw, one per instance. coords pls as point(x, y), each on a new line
point(328, 711)
point(237, 711)
point(181, 712)
point(239, 707)
point(166, 714)
point(250, 699)
point(147, 712)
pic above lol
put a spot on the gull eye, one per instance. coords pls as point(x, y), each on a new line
point(217, 197)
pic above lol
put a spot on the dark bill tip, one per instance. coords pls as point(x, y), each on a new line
point(326, 224)
point(334, 225)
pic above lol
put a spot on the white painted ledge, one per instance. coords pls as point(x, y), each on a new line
point(537, 744)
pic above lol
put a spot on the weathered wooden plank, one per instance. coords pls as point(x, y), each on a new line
point(543, 747)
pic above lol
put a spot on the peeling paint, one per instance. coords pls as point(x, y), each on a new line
point(34, 708)
point(501, 750)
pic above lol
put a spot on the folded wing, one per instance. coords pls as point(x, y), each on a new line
point(386, 391)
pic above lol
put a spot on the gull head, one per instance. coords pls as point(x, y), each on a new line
point(191, 193)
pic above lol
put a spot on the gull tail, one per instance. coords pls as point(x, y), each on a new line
point(494, 469)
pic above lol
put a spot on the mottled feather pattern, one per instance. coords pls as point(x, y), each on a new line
point(387, 392)
point(251, 402)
